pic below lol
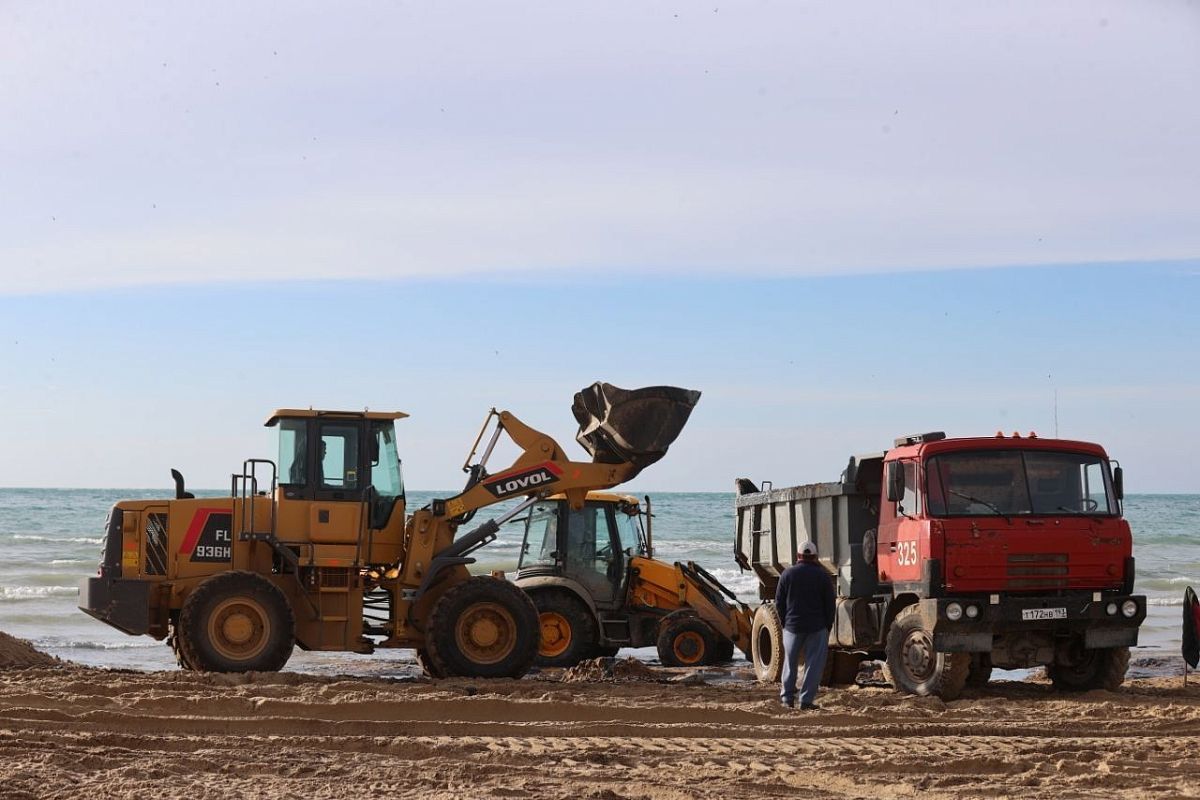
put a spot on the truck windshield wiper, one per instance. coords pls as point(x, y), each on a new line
point(973, 499)
point(1078, 512)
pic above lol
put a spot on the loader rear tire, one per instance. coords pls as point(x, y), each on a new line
point(483, 628)
point(766, 644)
point(236, 622)
point(568, 629)
point(685, 640)
point(914, 667)
point(1078, 670)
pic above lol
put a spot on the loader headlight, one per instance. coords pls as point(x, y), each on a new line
point(972, 612)
point(1110, 609)
point(954, 612)
point(1129, 609)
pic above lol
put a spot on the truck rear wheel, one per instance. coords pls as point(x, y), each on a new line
point(235, 622)
point(1076, 669)
point(766, 644)
point(914, 667)
point(568, 629)
point(685, 640)
point(482, 628)
point(980, 671)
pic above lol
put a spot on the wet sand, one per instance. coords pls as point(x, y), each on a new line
point(71, 732)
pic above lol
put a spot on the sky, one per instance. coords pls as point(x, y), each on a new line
point(841, 222)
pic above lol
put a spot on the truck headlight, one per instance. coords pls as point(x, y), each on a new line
point(972, 612)
point(954, 612)
point(1111, 609)
point(1129, 609)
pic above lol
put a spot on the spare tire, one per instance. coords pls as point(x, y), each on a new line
point(766, 644)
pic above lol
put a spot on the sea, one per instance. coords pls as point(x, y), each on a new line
point(51, 538)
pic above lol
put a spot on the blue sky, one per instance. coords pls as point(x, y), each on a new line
point(114, 387)
point(841, 223)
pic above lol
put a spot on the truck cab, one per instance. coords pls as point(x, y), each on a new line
point(954, 555)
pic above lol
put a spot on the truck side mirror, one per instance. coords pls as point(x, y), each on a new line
point(1119, 483)
point(895, 481)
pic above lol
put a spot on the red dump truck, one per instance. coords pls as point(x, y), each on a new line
point(951, 556)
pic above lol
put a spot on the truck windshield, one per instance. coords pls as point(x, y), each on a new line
point(1004, 482)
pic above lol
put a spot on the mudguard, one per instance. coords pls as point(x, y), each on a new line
point(634, 426)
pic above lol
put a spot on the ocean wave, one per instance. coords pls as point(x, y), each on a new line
point(29, 537)
point(88, 644)
point(62, 561)
point(36, 592)
point(1163, 601)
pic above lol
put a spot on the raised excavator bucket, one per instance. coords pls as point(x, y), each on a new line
point(631, 425)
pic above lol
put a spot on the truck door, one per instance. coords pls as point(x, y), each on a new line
point(901, 550)
point(593, 555)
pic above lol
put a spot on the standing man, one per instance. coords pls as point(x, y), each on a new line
point(804, 600)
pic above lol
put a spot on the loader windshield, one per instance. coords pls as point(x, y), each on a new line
point(1004, 482)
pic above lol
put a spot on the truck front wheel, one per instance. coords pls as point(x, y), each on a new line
point(914, 667)
point(482, 628)
point(1076, 669)
point(235, 622)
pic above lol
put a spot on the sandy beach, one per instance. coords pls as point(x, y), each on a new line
point(69, 732)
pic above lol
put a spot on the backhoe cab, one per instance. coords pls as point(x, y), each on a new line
point(315, 549)
point(592, 575)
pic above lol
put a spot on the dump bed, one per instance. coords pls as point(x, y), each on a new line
point(771, 526)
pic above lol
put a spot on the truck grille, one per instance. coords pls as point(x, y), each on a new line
point(1038, 570)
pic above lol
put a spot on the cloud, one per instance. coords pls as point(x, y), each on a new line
point(468, 140)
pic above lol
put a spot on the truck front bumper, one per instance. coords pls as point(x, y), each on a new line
point(1083, 613)
point(121, 602)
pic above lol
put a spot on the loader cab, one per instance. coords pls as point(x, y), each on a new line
point(338, 474)
point(592, 546)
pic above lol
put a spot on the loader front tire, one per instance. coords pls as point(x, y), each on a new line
point(685, 640)
point(766, 644)
point(235, 622)
point(914, 667)
point(568, 629)
point(482, 628)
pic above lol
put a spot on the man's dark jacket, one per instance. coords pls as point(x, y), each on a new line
point(804, 598)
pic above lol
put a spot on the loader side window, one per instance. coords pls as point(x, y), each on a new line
point(385, 473)
point(338, 459)
point(293, 448)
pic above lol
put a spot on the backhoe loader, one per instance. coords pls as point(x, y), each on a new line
point(315, 549)
point(592, 574)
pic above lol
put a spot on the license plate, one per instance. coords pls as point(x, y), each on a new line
point(1043, 613)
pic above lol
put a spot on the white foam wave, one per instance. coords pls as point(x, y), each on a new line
point(29, 537)
point(34, 592)
point(86, 644)
point(61, 561)
point(1163, 601)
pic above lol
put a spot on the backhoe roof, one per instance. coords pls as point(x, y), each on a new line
point(285, 413)
point(602, 497)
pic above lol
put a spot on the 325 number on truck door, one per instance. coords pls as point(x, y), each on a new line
point(906, 553)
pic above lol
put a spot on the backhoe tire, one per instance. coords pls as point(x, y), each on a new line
point(236, 622)
point(980, 671)
point(568, 629)
point(483, 627)
point(685, 640)
point(724, 652)
point(1089, 669)
point(914, 667)
point(766, 644)
point(605, 651)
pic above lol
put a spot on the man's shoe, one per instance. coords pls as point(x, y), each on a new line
point(788, 703)
point(809, 707)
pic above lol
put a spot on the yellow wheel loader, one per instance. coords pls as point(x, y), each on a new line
point(597, 587)
point(315, 549)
